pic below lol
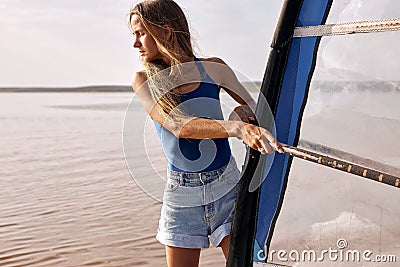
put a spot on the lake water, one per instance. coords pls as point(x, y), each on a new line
point(67, 197)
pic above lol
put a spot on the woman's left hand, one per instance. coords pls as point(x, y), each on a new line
point(259, 139)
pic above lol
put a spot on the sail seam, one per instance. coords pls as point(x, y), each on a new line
point(348, 28)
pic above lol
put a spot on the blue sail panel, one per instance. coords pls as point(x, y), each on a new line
point(288, 115)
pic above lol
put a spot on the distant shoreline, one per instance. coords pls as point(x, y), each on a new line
point(250, 86)
point(80, 89)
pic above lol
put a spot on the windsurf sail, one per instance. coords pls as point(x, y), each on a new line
point(332, 78)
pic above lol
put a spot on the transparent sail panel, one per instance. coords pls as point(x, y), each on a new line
point(353, 106)
point(343, 11)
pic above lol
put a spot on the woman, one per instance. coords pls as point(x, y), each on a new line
point(181, 94)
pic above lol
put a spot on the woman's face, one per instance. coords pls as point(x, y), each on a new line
point(144, 41)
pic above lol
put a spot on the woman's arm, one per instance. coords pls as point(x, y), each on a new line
point(228, 81)
point(200, 128)
point(180, 125)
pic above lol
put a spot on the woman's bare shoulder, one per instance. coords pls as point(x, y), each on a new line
point(219, 71)
point(139, 78)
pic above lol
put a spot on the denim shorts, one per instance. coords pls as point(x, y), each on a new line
point(198, 207)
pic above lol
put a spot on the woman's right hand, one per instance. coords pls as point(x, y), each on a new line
point(259, 139)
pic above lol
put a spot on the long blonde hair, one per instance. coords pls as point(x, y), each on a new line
point(155, 15)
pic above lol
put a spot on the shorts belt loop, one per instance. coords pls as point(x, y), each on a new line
point(201, 177)
point(181, 181)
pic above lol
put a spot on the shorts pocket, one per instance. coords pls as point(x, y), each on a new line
point(171, 186)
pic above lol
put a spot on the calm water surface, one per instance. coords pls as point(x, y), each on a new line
point(66, 195)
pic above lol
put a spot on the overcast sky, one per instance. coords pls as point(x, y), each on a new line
point(86, 42)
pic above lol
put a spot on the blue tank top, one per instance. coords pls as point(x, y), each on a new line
point(197, 155)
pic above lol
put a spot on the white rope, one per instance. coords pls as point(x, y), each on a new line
point(348, 28)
